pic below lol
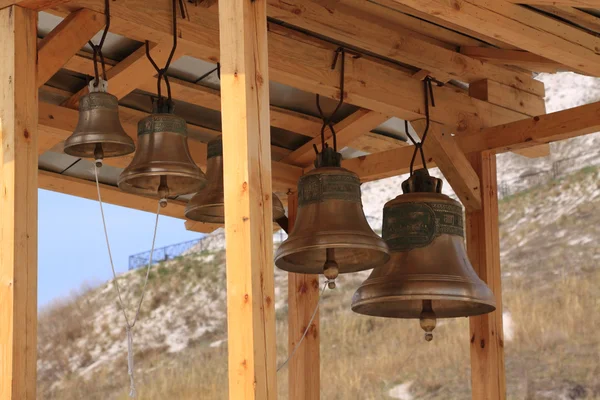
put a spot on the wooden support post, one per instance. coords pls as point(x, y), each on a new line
point(248, 202)
point(18, 203)
point(303, 296)
point(483, 246)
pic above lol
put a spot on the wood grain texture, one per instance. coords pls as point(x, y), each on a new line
point(304, 374)
point(65, 40)
point(517, 58)
point(248, 203)
point(483, 247)
point(18, 203)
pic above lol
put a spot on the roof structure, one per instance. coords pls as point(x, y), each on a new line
point(486, 53)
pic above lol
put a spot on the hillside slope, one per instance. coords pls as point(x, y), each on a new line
point(551, 281)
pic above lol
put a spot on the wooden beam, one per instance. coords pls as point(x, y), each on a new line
point(347, 130)
point(304, 375)
point(450, 159)
point(572, 3)
point(304, 62)
point(374, 34)
point(513, 99)
point(110, 194)
point(520, 27)
point(65, 40)
point(574, 15)
point(547, 128)
point(518, 58)
point(130, 73)
point(248, 203)
point(206, 97)
point(18, 204)
point(483, 246)
point(56, 123)
point(37, 5)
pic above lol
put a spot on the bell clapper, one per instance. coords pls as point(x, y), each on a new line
point(427, 320)
point(163, 191)
point(98, 155)
point(331, 268)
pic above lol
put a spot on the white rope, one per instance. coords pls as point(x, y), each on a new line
point(129, 326)
point(314, 314)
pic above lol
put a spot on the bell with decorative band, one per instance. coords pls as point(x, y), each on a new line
point(162, 165)
point(99, 132)
point(331, 234)
point(208, 205)
point(429, 275)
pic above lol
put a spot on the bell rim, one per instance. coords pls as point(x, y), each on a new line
point(123, 182)
point(70, 147)
point(484, 306)
point(191, 213)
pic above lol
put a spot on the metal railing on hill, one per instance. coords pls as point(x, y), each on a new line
point(190, 247)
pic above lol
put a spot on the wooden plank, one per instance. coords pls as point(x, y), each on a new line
point(518, 58)
point(483, 247)
point(374, 34)
point(248, 203)
point(347, 130)
point(65, 40)
point(130, 73)
point(513, 99)
point(304, 375)
point(110, 194)
point(547, 128)
point(572, 3)
point(450, 159)
point(520, 27)
point(574, 15)
point(304, 62)
point(18, 204)
point(37, 5)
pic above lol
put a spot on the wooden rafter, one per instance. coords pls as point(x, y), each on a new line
point(130, 73)
point(572, 3)
point(518, 58)
point(347, 130)
point(373, 34)
point(65, 40)
point(520, 27)
point(32, 4)
point(304, 62)
point(574, 15)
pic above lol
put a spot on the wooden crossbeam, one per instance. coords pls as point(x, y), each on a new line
point(110, 194)
point(304, 62)
point(450, 159)
point(130, 73)
point(347, 130)
point(514, 99)
point(65, 40)
point(518, 58)
point(520, 27)
point(282, 118)
point(394, 42)
point(56, 123)
point(18, 204)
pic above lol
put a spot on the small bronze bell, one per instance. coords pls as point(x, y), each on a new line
point(162, 165)
point(208, 205)
point(99, 132)
point(429, 275)
point(331, 234)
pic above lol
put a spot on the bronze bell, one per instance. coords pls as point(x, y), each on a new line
point(331, 234)
point(429, 275)
point(162, 165)
point(208, 205)
point(99, 132)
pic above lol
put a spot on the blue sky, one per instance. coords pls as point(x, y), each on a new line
point(72, 250)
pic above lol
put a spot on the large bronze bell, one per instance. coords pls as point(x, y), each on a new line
point(99, 132)
point(208, 205)
point(162, 165)
point(331, 234)
point(429, 275)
